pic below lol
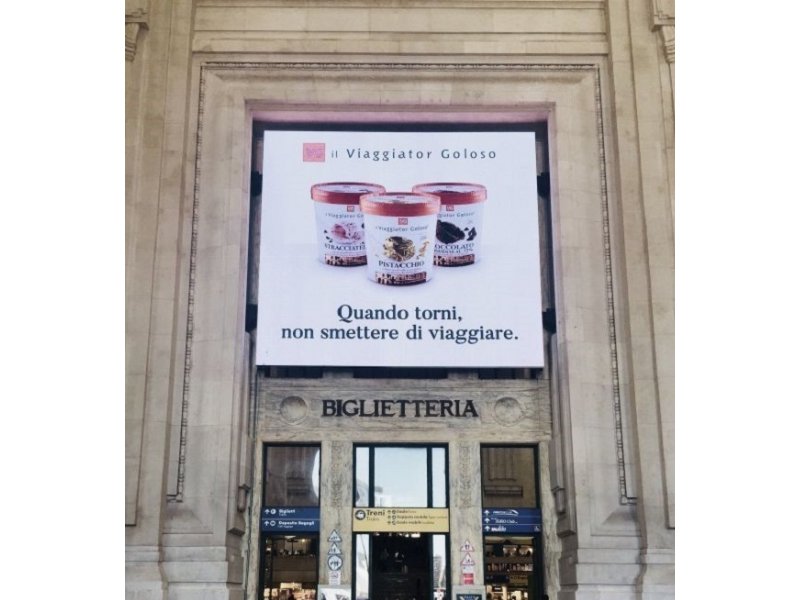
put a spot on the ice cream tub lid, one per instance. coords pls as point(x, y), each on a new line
point(453, 193)
point(343, 192)
point(400, 204)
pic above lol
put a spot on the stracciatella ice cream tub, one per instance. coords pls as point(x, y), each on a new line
point(400, 230)
point(340, 225)
point(459, 228)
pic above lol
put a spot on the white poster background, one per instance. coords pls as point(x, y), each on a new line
point(332, 592)
point(501, 291)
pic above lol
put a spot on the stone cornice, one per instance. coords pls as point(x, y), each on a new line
point(664, 24)
point(428, 4)
point(663, 13)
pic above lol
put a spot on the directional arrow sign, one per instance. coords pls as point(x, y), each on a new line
point(289, 519)
point(524, 528)
point(512, 520)
point(291, 512)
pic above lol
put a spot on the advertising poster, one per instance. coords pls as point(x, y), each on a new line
point(399, 249)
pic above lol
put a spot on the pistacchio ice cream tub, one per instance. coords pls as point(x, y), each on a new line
point(400, 230)
point(459, 227)
point(340, 225)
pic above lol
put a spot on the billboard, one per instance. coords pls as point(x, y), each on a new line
point(399, 249)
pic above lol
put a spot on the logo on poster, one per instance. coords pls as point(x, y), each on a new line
point(402, 220)
point(313, 152)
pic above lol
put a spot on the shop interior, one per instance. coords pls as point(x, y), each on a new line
point(290, 567)
point(509, 567)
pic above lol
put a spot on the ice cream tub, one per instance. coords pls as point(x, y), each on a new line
point(400, 229)
point(339, 222)
point(459, 226)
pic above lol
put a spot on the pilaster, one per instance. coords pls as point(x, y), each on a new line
point(646, 220)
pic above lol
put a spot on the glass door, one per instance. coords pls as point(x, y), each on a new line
point(290, 516)
point(512, 523)
point(402, 570)
point(402, 484)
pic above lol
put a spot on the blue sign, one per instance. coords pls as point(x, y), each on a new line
point(511, 520)
point(286, 519)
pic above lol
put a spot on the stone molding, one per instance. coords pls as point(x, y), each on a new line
point(668, 40)
point(616, 397)
point(234, 88)
point(664, 23)
point(233, 67)
point(135, 21)
point(663, 12)
point(526, 4)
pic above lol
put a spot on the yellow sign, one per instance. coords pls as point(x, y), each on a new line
point(518, 580)
point(424, 520)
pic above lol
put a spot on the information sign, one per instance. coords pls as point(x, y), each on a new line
point(512, 520)
point(428, 520)
point(468, 592)
point(335, 562)
point(290, 519)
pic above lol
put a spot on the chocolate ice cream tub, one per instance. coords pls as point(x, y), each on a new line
point(340, 224)
point(459, 226)
point(400, 229)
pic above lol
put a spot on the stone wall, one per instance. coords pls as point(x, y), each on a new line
point(199, 73)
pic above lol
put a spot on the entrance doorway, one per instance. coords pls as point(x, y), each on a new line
point(400, 522)
point(402, 567)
